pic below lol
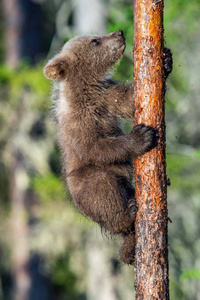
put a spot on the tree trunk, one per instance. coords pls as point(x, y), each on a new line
point(90, 17)
point(150, 170)
point(23, 31)
point(99, 279)
point(13, 22)
point(20, 251)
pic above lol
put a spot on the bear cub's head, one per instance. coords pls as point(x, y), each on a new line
point(87, 55)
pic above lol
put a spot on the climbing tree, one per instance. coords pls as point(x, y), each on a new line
point(150, 170)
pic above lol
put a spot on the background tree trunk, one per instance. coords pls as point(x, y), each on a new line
point(90, 17)
point(20, 252)
point(150, 169)
point(23, 31)
point(13, 22)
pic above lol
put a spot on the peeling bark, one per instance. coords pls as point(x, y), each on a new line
point(150, 170)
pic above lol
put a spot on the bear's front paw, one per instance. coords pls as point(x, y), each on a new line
point(168, 61)
point(144, 139)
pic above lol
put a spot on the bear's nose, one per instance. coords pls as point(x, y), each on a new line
point(120, 33)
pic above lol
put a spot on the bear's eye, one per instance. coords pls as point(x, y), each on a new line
point(95, 42)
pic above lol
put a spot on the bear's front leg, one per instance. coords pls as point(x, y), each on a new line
point(118, 149)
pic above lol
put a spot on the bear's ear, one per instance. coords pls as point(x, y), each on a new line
point(56, 68)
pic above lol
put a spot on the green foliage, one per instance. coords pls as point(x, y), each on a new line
point(5, 74)
point(58, 236)
point(190, 274)
point(30, 78)
point(62, 276)
point(64, 280)
point(184, 172)
point(26, 79)
point(124, 70)
point(1, 35)
point(124, 20)
point(175, 289)
point(49, 187)
point(187, 15)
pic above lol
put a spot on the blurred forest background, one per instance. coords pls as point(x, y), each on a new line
point(47, 250)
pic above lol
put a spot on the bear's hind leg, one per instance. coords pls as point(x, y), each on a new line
point(122, 222)
point(127, 250)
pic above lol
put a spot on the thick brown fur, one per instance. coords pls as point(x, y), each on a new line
point(97, 155)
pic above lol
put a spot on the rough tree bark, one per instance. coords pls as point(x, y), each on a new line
point(150, 170)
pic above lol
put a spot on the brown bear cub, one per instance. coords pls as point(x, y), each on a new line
point(97, 155)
